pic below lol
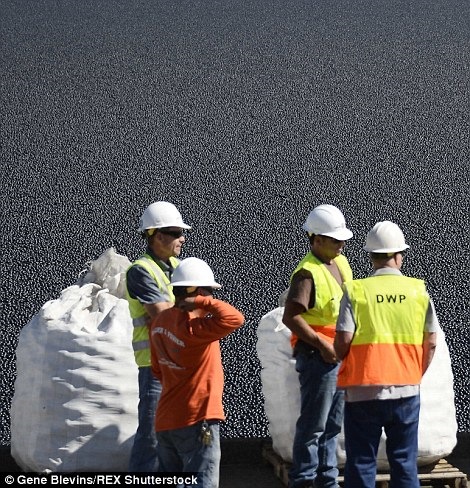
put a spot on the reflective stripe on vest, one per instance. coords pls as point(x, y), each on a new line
point(139, 321)
point(140, 337)
point(390, 315)
point(328, 294)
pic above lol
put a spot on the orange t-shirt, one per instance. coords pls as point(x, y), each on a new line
point(185, 355)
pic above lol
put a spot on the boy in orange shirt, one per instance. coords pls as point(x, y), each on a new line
point(185, 356)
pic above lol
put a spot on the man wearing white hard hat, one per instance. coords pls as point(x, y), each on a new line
point(386, 337)
point(186, 358)
point(148, 293)
point(311, 310)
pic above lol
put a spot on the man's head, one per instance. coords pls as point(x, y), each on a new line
point(162, 226)
point(386, 243)
point(326, 228)
point(193, 277)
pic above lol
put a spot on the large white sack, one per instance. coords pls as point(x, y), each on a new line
point(438, 425)
point(76, 390)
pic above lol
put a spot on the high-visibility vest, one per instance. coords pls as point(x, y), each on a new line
point(328, 293)
point(387, 346)
point(140, 335)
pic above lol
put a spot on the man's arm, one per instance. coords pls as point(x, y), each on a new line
point(342, 344)
point(429, 348)
point(345, 327)
point(144, 288)
point(299, 299)
point(430, 335)
point(294, 321)
point(219, 318)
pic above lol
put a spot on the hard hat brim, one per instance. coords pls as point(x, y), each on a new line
point(386, 250)
point(181, 225)
point(194, 283)
point(340, 235)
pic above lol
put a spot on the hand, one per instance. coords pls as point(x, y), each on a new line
point(187, 304)
point(328, 353)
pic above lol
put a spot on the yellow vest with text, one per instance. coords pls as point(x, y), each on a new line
point(387, 346)
point(140, 335)
point(328, 293)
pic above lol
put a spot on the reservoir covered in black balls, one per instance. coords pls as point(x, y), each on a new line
point(245, 115)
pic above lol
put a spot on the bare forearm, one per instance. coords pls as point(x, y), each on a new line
point(342, 344)
point(296, 323)
point(302, 330)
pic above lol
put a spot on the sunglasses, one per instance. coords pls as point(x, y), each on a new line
point(173, 233)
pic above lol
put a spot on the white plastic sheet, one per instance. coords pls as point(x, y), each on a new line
point(76, 392)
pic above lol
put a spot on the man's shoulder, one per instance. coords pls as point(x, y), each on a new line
point(138, 269)
point(148, 264)
point(302, 274)
point(307, 264)
point(144, 285)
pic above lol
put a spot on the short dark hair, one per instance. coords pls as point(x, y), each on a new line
point(379, 256)
point(180, 291)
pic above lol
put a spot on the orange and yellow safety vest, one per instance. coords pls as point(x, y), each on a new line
point(328, 293)
point(387, 346)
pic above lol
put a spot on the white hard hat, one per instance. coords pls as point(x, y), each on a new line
point(385, 237)
point(159, 215)
point(327, 220)
point(194, 272)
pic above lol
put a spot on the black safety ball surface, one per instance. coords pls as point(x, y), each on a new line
point(245, 115)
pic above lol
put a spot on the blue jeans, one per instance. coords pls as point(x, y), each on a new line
point(363, 422)
point(319, 423)
point(181, 450)
point(144, 451)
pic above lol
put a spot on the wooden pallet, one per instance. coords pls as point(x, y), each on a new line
point(442, 474)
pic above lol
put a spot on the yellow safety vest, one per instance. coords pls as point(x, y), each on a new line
point(387, 347)
point(328, 293)
point(140, 335)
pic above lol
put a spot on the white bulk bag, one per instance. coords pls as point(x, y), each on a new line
point(438, 424)
point(76, 390)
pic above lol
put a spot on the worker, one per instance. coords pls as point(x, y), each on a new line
point(148, 293)
point(386, 337)
point(311, 310)
point(186, 358)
